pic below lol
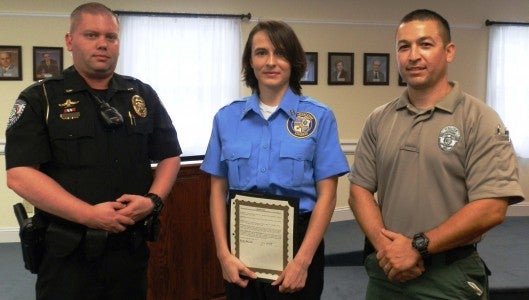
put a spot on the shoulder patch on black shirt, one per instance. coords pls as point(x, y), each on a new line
point(16, 112)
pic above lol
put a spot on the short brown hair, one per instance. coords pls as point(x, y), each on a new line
point(93, 8)
point(283, 38)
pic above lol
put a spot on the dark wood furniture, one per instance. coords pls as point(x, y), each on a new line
point(183, 263)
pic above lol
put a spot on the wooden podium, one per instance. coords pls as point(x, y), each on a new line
point(183, 262)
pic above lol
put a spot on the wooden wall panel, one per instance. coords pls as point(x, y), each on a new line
point(183, 262)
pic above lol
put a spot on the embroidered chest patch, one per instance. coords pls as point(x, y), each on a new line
point(302, 126)
point(448, 138)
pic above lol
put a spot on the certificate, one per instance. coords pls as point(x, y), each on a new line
point(262, 231)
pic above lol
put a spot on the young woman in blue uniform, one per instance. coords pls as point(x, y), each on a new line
point(279, 142)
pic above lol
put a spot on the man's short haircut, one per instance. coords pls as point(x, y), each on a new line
point(427, 15)
point(93, 8)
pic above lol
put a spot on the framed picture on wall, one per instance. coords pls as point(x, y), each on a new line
point(341, 71)
point(376, 69)
point(47, 62)
point(10, 62)
point(311, 74)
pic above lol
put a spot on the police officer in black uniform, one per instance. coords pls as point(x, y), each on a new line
point(79, 148)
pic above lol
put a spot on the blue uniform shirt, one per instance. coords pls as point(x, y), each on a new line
point(284, 155)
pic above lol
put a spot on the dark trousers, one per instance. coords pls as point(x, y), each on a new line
point(261, 290)
point(119, 273)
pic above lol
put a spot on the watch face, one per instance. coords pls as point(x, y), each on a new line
point(420, 241)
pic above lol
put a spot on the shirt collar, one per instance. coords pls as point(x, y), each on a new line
point(73, 82)
point(448, 103)
point(289, 104)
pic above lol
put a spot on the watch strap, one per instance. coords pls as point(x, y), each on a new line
point(157, 201)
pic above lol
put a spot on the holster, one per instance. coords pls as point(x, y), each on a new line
point(32, 232)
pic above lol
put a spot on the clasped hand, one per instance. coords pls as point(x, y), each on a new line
point(116, 216)
point(398, 259)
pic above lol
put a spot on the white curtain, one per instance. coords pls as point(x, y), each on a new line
point(508, 81)
point(192, 63)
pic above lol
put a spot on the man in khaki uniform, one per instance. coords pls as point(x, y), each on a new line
point(444, 170)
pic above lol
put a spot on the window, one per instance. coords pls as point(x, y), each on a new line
point(507, 88)
point(192, 63)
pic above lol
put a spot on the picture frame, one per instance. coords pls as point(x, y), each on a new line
point(376, 68)
point(402, 82)
point(311, 74)
point(10, 62)
point(47, 62)
point(340, 68)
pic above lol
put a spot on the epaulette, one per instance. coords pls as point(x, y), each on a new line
point(129, 78)
point(42, 81)
point(53, 78)
point(240, 100)
point(313, 101)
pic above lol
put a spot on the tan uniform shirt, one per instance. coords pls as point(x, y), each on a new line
point(426, 165)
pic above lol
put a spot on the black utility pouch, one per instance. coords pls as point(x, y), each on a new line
point(32, 231)
point(151, 228)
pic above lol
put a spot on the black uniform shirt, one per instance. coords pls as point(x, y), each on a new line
point(55, 123)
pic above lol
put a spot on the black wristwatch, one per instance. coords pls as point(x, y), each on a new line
point(157, 201)
point(420, 243)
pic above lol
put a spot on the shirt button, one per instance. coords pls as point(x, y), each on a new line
point(263, 170)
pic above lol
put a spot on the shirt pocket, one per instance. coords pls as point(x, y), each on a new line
point(74, 144)
point(237, 158)
point(139, 131)
point(295, 163)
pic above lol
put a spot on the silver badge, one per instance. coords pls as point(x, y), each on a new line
point(16, 112)
point(448, 138)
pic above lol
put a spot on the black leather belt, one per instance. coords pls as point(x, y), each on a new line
point(129, 239)
point(450, 256)
point(444, 258)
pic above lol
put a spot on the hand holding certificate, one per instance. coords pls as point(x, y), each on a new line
point(262, 231)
